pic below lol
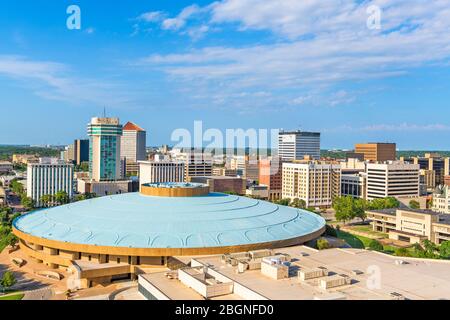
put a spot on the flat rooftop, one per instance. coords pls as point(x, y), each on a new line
point(176, 290)
point(417, 280)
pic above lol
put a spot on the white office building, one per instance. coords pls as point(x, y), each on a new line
point(392, 179)
point(161, 171)
point(295, 145)
point(48, 177)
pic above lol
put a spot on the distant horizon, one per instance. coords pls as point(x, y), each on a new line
point(158, 146)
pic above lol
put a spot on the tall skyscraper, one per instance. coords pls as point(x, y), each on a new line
point(377, 151)
point(48, 177)
point(104, 149)
point(133, 146)
point(295, 145)
point(81, 151)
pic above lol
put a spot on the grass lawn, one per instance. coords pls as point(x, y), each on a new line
point(17, 296)
point(357, 242)
point(3, 242)
point(368, 229)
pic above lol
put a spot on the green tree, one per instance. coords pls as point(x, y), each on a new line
point(345, 208)
point(402, 252)
point(413, 204)
point(360, 206)
point(16, 187)
point(80, 197)
point(61, 197)
point(8, 280)
point(283, 202)
point(444, 250)
point(46, 200)
point(429, 246)
point(391, 203)
point(384, 203)
point(323, 244)
point(298, 203)
point(375, 246)
point(3, 218)
point(12, 240)
point(28, 203)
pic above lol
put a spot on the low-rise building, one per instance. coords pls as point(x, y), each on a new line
point(447, 180)
point(221, 171)
point(223, 184)
point(441, 199)
point(259, 192)
point(5, 167)
point(161, 171)
point(24, 158)
point(411, 225)
point(353, 184)
point(104, 188)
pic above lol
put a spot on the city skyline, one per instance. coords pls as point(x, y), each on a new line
point(231, 64)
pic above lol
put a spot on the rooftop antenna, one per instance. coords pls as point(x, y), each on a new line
point(104, 112)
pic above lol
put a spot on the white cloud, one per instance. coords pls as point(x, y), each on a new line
point(319, 43)
point(153, 16)
point(180, 21)
point(51, 80)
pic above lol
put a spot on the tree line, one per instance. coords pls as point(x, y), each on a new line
point(348, 208)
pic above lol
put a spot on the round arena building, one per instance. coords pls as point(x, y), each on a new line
point(110, 237)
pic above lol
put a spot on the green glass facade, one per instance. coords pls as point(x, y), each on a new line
point(108, 138)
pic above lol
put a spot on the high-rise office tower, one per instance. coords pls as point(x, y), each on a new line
point(104, 149)
point(133, 146)
point(81, 151)
point(295, 145)
point(377, 151)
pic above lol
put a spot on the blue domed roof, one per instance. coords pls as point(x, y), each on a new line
point(138, 221)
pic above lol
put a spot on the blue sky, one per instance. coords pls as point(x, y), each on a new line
point(232, 64)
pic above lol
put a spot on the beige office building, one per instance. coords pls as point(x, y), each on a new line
point(133, 146)
point(247, 166)
point(441, 199)
point(392, 179)
point(410, 225)
point(315, 182)
point(377, 151)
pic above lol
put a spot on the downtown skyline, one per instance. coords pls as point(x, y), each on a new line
point(232, 64)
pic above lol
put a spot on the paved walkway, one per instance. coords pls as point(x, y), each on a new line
point(40, 294)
